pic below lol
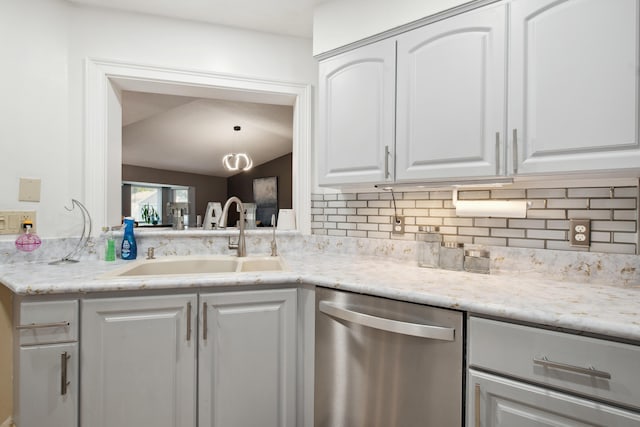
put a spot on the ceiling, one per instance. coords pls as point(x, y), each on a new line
point(286, 17)
point(188, 134)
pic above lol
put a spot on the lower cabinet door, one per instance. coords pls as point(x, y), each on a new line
point(48, 388)
point(496, 401)
point(139, 362)
point(247, 359)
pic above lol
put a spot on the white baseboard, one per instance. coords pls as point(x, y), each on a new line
point(7, 423)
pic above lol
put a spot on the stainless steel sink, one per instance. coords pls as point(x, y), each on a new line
point(183, 265)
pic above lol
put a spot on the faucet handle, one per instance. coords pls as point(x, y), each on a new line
point(150, 253)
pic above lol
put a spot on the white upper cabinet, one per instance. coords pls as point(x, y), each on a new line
point(450, 97)
point(513, 88)
point(573, 85)
point(357, 113)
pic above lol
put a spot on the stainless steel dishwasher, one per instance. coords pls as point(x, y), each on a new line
point(386, 363)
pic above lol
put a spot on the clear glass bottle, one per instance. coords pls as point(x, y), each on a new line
point(452, 256)
point(429, 240)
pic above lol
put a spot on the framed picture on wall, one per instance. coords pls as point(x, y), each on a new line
point(265, 195)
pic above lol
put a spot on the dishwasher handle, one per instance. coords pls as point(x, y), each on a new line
point(395, 326)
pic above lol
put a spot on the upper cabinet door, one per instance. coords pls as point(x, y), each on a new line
point(450, 100)
point(573, 85)
point(357, 114)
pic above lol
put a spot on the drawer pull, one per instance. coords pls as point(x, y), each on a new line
point(477, 406)
point(591, 371)
point(189, 321)
point(64, 382)
point(64, 324)
point(204, 321)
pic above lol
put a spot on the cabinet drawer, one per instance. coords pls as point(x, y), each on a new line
point(47, 322)
point(593, 367)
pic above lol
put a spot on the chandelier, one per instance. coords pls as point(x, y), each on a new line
point(237, 161)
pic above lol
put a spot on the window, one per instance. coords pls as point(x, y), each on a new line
point(146, 202)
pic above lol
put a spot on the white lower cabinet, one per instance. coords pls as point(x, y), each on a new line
point(500, 402)
point(48, 393)
point(217, 359)
point(247, 359)
point(139, 361)
point(525, 376)
point(46, 364)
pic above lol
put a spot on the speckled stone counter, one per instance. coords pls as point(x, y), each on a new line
point(599, 308)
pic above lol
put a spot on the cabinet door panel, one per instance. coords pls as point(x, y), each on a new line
point(506, 403)
point(357, 111)
point(451, 97)
point(573, 94)
point(247, 362)
point(138, 362)
point(40, 399)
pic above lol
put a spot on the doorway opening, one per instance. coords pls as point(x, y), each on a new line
point(103, 125)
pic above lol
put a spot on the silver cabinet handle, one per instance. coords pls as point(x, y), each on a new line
point(515, 151)
point(64, 383)
point(497, 153)
point(387, 153)
point(63, 324)
point(395, 326)
point(591, 371)
point(204, 321)
point(189, 321)
point(477, 406)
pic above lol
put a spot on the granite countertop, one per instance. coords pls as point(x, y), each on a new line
point(594, 308)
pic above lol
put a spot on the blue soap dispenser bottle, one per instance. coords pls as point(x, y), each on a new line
point(128, 250)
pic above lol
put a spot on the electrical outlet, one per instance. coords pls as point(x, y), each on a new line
point(11, 221)
point(580, 232)
point(397, 224)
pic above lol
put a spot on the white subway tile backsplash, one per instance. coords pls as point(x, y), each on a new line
point(546, 193)
point(613, 204)
point(625, 238)
point(590, 214)
point(420, 204)
point(338, 204)
point(546, 213)
point(490, 222)
point(547, 234)
point(459, 222)
point(568, 204)
point(473, 231)
point(508, 194)
point(589, 192)
point(357, 204)
point(379, 203)
point(526, 243)
point(613, 213)
point(508, 232)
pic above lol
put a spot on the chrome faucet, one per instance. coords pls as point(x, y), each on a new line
point(242, 249)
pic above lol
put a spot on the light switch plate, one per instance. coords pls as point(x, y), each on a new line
point(580, 232)
point(29, 190)
point(11, 221)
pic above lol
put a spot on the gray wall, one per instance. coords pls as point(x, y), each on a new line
point(241, 184)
